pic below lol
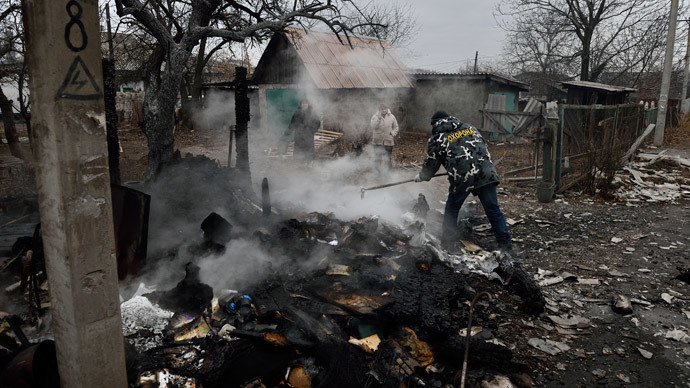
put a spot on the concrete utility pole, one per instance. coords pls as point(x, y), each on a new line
point(66, 85)
point(684, 94)
point(666, 78)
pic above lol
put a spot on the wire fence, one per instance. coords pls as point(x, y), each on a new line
point(593, 140)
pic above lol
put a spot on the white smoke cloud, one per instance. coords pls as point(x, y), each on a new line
point(218, 110)
point(335, 186)
point(327, 186)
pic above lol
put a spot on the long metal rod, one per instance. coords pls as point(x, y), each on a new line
point(469, 334)
point(365, 189)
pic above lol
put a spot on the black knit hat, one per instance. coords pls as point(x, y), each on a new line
point(438, 115)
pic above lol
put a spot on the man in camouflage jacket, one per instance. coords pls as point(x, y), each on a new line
point(463, 152)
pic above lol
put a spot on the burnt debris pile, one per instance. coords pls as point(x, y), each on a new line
point(353, 304)
point(309, 300)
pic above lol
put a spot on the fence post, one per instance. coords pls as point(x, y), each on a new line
point(615, 125)
point(559, 148)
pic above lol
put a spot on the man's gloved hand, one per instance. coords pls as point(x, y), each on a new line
point(417, 178)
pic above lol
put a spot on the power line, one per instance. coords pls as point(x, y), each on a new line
point(459, 61)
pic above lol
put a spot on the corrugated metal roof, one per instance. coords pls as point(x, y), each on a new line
point(502, 78)
point(361, 63)
point(598, 86)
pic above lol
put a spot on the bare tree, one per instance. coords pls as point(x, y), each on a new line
point(641, 52)
point(178, 26)
point(201, 61)
point(601, 29)
point(537, 41)
point(10, 41)
point(393, 22)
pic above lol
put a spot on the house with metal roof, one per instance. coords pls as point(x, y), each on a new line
point(343, 77)
point(589, 93)
point(463, 95)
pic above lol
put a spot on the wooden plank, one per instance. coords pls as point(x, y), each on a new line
point(496, 126)
point(338, 134)
point(524, 124)
point(637, 143)
point(533, 108)
point(516, 113)
point(522, 179)
point(495, 102)
point(321, 138)
point(14, 220)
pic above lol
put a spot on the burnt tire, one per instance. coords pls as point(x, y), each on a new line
point(521, 284)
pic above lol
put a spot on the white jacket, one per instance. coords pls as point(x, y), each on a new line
point(384, 128)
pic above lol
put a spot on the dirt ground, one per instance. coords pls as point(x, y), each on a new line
point(601, 248)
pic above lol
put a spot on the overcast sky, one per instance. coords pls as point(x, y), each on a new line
point(450, 31)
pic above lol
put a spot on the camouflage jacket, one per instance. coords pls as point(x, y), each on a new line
point(463, 152)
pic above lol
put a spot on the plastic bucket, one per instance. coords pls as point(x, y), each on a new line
point(545, 190)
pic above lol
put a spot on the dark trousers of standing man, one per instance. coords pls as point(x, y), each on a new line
point(487, 196)
point(383, 157)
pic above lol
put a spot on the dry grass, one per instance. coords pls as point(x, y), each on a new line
point(410, 148)
point(678, 136)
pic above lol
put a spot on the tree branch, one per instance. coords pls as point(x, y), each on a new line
point(146, 18)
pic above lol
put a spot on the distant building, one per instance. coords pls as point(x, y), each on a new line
point(648, 87)
point(461, 95)
point(590, 93)
point(343, 80)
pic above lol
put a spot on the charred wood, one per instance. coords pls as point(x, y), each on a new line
point(190, 295)
point(520, 283)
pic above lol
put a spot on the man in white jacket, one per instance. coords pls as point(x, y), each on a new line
point(384, 128)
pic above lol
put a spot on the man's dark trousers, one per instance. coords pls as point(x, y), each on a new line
point(489, 200)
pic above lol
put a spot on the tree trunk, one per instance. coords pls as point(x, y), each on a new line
point(159, 120)
point(162, 89)
point(23, 105)
point(242, 121)
point(585, 57)
point(187, 108)
point(193, 104)
point(199, 72)
point(111, 121)
point(10, 127)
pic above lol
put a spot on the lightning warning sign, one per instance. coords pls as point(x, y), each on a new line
point(79, 84)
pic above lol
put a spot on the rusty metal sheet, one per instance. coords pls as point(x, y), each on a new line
point(338, 55)
point(332, 77)
point(345, 80)
point(131, 226)
point(359, 63)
